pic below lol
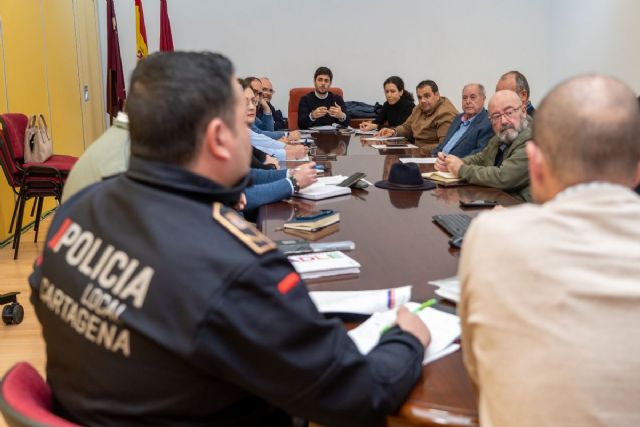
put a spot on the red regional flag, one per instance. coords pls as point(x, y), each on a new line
point(116, 93)
point(166, 39)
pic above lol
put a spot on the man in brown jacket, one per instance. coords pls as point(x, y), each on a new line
point(429, 122)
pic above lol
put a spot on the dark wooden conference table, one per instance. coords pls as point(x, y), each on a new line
point(397, 244)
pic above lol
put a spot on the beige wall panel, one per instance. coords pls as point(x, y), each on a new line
point(90, 66)
point(25, 74)
point(62, 77)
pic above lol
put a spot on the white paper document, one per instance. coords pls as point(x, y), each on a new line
point(318, 190)
point(444, 328)
point(360, 302)
point(448, 288)
point(424, 160)
point(366, 132)
point(387, 138)
point(331, 180)
point(323, 128)
point(393, 147)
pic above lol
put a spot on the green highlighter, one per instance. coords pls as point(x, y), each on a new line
point(427, 303)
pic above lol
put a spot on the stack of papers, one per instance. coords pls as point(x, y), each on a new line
point(441, 177)
point(323, 128)
point(360, 302)
point(331, 180)
point(444, 328)
point(392, 146)
point(387, 138)
point(448, 288)
point(321, 220)
point(425, 160)
point(322, 264)
point(320, 190)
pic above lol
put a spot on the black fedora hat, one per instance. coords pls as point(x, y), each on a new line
point(405, 176)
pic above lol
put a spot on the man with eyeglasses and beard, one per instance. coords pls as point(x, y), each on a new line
point(503, 162)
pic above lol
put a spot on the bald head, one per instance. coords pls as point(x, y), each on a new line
point(515, 81)
point(503, 98)
point(588, 129)
point(267, 88)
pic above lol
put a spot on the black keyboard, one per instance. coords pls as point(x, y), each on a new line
point(454, 224)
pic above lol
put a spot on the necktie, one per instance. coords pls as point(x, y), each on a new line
point(500, 155)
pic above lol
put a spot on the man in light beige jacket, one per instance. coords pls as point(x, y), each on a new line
point(550, 302)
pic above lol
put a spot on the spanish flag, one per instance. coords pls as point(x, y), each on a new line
point(141, 33)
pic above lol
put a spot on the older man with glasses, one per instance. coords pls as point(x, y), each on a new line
point(503, 162)
point(266, 114)
point(279, 121)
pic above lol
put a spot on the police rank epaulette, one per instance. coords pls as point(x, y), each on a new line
point(243, 230)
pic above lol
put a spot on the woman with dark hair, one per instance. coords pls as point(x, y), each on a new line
point(396, 109)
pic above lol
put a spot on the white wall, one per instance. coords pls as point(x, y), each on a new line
point(600, 36)
point(365, 41)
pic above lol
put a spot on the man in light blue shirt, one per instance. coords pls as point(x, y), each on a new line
point(471, 130)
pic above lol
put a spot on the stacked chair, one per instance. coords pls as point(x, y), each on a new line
point(28, 180)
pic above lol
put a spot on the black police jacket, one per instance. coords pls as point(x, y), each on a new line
point(161, 306)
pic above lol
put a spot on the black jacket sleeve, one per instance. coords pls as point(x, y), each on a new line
point(338, 99)
point(266, 336)
point(382, 117)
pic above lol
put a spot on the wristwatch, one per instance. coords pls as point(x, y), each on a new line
point(294, 182)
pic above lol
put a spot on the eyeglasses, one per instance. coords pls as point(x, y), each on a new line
point(252, 102)
point(508, 113)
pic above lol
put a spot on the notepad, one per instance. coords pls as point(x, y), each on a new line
point(320, 190)
point(424, 160)
point(332, 180)
point(322, 264)
point(386, 138)
point(323, 128)
point(314, 235)
point(444, 329)
point(441, 177)
point(321, 220)
point(393, 146)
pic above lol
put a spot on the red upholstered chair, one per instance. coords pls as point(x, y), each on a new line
point(25, 399)
point(28, 180)
point(294, 101)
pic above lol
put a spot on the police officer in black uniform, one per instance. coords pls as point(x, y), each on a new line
point(160, 305)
